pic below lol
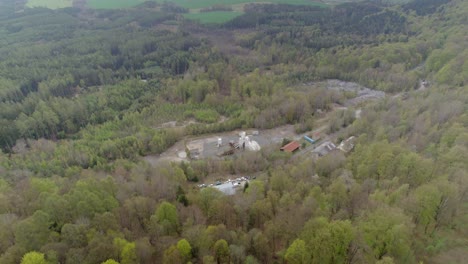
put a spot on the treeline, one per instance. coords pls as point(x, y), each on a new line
point(364, 18)
point(422, 7)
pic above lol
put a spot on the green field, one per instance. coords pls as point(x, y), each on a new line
point(112, 4)
point(224, 16)
point(193, 4)
point(52, 4)
point(212, 17)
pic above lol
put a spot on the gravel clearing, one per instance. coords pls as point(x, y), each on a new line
point(362, 93)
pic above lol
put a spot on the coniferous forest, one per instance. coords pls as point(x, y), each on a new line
point(93, 101)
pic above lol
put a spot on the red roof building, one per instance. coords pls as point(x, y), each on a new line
point(291, 147)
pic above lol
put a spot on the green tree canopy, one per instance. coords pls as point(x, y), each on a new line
point(110, 261)
point(387, 232)
point(221, 251)
point(166, 215)
point(185, 249)
point(297, 253)
point(33, 257)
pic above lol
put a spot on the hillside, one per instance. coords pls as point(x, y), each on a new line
point(122, 133)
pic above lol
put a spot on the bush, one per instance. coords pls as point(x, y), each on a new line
point(206, 116)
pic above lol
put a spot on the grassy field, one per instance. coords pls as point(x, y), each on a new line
point(237, 5)
point(52, 4)
point(112, 4)
point(196, 4)
point(212, 17)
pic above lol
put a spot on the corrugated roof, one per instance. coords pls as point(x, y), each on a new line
point(291, 147)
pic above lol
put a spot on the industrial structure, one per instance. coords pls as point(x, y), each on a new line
point(243, 143)
point(291, 147)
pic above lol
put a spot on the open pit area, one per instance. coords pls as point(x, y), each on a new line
point(207, 146)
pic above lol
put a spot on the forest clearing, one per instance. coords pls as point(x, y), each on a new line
point(208, 146)
point(212, 17)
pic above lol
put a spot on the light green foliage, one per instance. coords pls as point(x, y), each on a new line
point(207, 237)
point(110, 261)
point(127, 251)
point(34, 231)
point(438, 59)
point(128, 254)
point(297, 253)
point(433, 204)
point(328, 242)
point(207, 197)
point(90, 196)
point(254, 84)
point(58, 208)
point(206, 116)
point(166, 215)
point(33, 257)
point(387, 231)
point(338, 195)
point(39, 185)
point(193, 91)
point(256, 189)
point(383, 161)
point(184, 248)
point(221, 251)
point(428, 197)
point(454, 72)
point(398, 195)
point(42, 122)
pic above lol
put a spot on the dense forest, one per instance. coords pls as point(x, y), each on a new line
point(85, 95)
